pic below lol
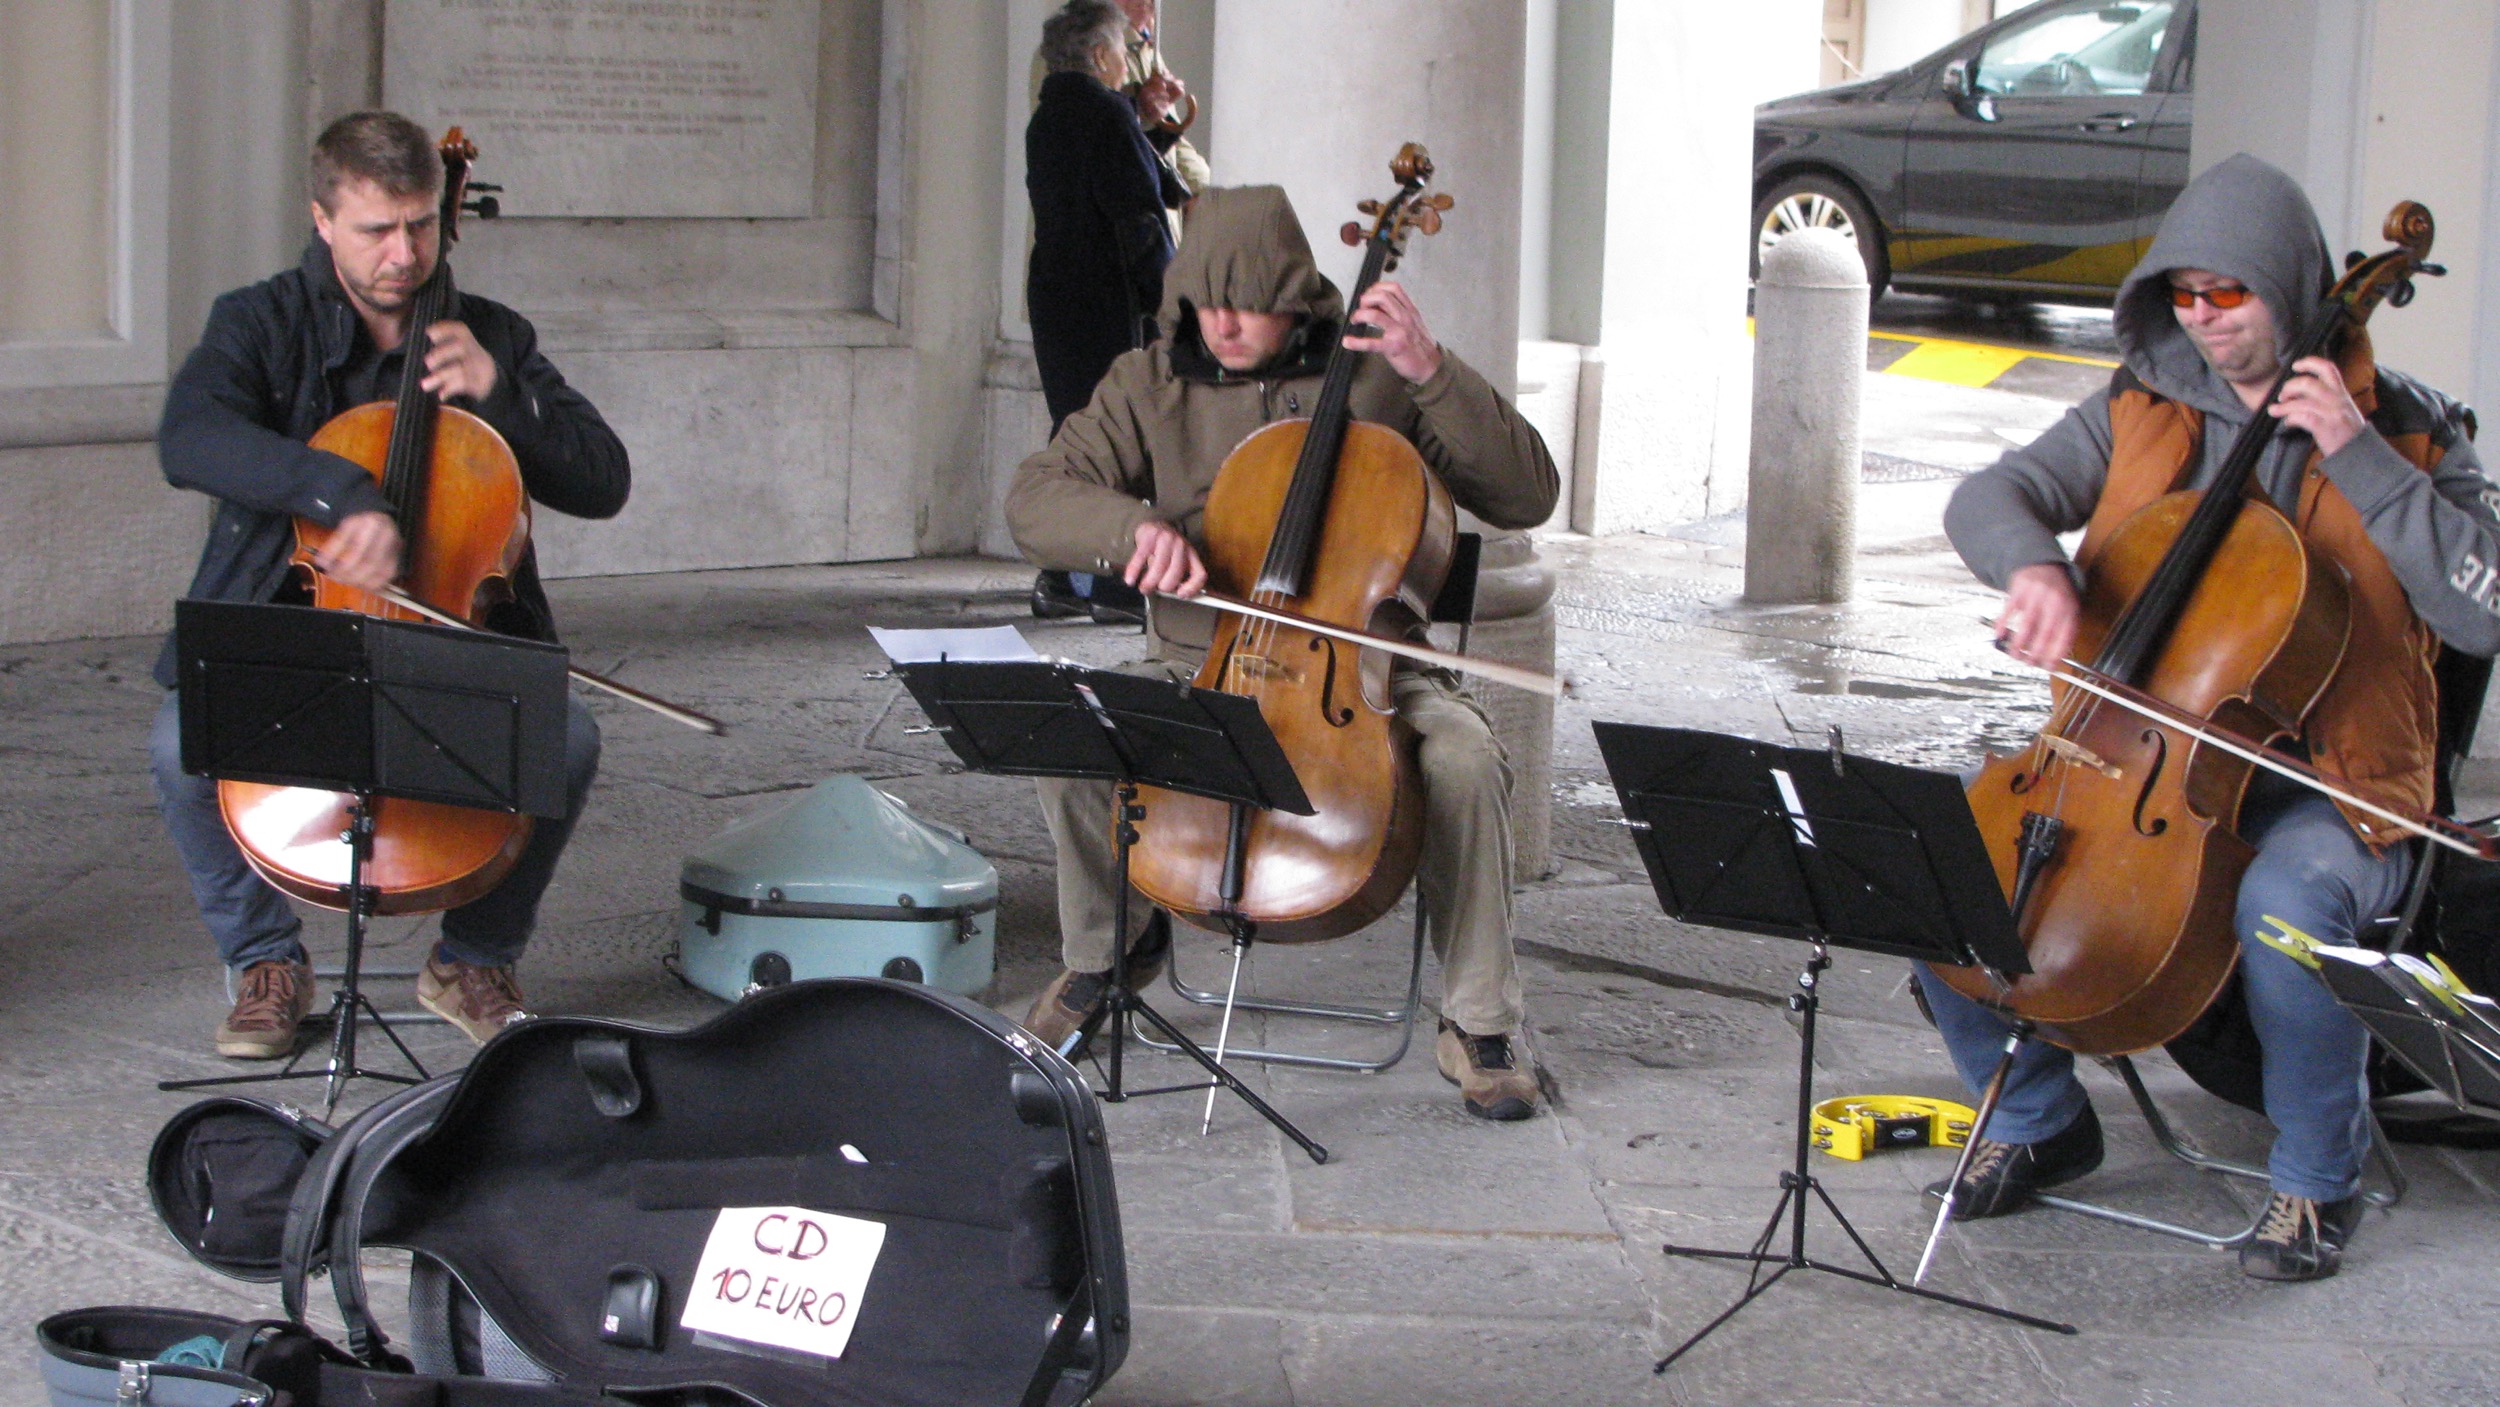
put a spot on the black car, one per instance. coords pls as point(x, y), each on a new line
point(2032, 158)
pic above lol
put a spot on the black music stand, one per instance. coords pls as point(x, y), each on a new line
point(1037, 719)
point(372, 707)
point(1832, 850)
point(2450, 1039)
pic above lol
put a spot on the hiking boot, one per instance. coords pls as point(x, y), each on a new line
point(481, 1001)
point(2300, 1238)
point(271, 1001)
point(1073, 997)
point(2003, 1176)
point(1492, 1080)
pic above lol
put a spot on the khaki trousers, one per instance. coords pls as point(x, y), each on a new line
point(1464, 873)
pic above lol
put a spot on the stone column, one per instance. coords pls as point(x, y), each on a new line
point(1316, 96)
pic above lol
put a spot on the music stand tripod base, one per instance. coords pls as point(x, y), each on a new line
point(347, 1000)
point(1037, 719)
point(1831, 850)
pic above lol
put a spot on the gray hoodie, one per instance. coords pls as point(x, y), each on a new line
point(2247, 221)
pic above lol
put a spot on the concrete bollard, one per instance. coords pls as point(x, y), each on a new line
point(1809, 361)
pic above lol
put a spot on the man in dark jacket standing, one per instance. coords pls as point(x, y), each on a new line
point(1248, 325)
point(2377, 472)
point(276, 362)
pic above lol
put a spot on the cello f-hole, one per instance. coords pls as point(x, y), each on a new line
point(2152, 778)
point(1337, 716)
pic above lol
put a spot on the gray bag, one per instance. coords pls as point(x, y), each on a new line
point(108, 1356)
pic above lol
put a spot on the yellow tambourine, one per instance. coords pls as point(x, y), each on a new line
point(1860, 1124)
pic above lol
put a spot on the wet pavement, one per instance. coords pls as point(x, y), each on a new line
point(1435, 1259)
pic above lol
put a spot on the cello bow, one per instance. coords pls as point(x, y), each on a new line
point(673, 712)
point(1511, 675)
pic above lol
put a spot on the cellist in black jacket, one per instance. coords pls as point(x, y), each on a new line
point(276, 362)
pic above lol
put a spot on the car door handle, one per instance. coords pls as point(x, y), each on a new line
point(2108, 122)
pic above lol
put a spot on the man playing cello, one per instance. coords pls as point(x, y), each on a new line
point(1248, 325)
point(277, 361)
point(2378, 473)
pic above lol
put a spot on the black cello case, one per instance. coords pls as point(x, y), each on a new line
point(557, 1196)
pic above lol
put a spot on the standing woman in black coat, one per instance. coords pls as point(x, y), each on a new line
point(1100, 235)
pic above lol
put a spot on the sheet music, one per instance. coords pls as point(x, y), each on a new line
point(992, 644)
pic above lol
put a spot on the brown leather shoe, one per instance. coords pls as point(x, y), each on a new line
point(1073, 997)
point(1066, 1005)
point(271, 1001)
point(481, 1001)
point(1493, 1081)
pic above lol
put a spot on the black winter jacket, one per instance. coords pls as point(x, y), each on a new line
point(264, 379)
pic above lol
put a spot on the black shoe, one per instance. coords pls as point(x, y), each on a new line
point(2299, 1238)
point(1115, 602)
point(1054, 597)
point(2003, 1176)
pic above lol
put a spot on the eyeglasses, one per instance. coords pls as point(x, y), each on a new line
point(2224, 297)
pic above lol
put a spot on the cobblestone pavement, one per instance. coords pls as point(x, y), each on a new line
point(1435, 1259)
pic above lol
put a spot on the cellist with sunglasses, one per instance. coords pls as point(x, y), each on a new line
point(2377, 474)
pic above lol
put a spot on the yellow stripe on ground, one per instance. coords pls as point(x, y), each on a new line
point(1960, 363)
point(1881, 335)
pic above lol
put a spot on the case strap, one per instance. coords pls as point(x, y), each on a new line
point(308, 1207)
point(1061, 1350)
point(373, 1156)
point(607, 1065)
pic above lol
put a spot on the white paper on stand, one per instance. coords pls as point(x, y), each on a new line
point(980, 645)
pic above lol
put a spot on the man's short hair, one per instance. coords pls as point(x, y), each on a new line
point(1080, 30)
point(382, 147)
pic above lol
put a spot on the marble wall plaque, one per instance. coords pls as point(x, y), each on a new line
point(619, 107)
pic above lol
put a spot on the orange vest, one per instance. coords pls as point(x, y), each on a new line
point(2377, 725)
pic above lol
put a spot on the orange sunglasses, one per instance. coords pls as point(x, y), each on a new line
point(2218, 297)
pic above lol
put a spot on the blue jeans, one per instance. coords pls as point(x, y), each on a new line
point(2312, 872)
point(253, 922)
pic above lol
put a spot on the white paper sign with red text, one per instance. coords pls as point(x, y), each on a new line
point(784, 1276)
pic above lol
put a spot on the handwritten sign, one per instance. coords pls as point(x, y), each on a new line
point(784, 1276)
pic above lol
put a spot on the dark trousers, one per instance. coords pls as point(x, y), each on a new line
point(253, 922)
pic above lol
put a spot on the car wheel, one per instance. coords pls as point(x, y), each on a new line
point(1819, 202)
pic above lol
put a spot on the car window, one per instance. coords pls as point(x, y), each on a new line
point(2074, 52)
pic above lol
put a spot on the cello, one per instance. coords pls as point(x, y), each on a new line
point(2212, 629)
point(1340, 523)
point(463, 518)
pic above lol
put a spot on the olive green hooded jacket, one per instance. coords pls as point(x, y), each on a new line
point(1149, 443)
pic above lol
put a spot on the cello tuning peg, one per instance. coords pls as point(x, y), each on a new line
point(485, 207)
point(1429, 222)
point(1367, 207)
point(483, 186)
point(2434, 270)
point(1440, 201)
point(2353, 258)
point(1351, 232)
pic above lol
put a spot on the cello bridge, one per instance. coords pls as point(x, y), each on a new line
point(1260, 669)
point(2077, 753)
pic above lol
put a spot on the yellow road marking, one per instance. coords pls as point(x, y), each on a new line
point(1961, 363)
point(2028, 352)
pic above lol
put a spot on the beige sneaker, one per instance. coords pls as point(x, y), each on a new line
point(481, 1001)
point(1492, 1080)
point(271, 1001)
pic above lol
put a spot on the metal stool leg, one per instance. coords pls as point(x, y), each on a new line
point(1401, 1015)
point(2180, 1147)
